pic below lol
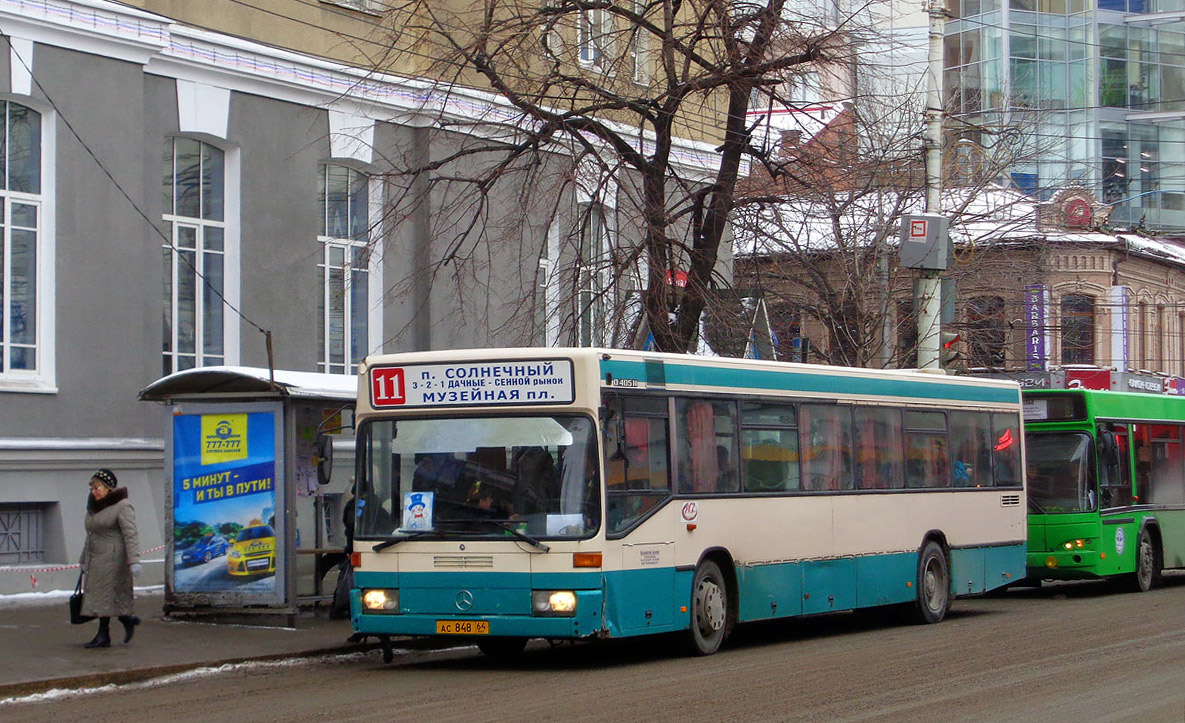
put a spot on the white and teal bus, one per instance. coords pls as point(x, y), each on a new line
point(509, 494)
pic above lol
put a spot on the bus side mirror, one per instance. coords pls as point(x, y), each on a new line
point(323, 458)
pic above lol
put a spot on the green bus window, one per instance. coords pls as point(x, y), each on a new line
point(1115, 488)
point(1059, 472)
point(1166, 481)
point(878, 444)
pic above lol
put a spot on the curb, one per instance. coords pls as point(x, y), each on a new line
point(136, 675)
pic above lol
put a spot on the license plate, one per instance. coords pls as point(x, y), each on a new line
point(258, 564)
point(462, 627)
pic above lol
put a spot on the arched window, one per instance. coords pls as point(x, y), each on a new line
point(343, 206)
point(987, 332)
point(1077, 329)
point(195, 260)
point(20, 244)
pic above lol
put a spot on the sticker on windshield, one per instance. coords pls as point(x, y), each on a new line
point(504, 383)
point(417, 510)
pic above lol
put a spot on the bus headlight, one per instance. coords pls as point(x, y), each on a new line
point(1076, 544)
point(553, 602)
point(380, 601)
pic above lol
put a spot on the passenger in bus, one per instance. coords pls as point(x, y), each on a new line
point(484, 498)
point(534, 480)
point(726, 477)
point(436, 470)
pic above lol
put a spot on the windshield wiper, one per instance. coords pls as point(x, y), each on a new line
point(508, 527)
point(1035, 506)
point(403, 536)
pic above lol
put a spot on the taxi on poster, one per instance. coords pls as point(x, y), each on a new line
point(253, 551)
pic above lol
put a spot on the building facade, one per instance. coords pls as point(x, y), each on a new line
point(178, 196)
point(1096, 91)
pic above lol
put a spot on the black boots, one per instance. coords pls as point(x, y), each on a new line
point(102, 638)
point(129, 626)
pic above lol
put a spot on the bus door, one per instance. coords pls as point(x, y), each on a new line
point(640, 590)
point(1115, 468)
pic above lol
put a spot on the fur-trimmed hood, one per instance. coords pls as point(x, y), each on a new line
point(119, 494)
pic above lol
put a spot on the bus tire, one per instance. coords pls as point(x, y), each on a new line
point(502, 647)
point(933, 584)
point(710, 616)
point(1147, 574)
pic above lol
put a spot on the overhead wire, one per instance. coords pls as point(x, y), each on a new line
point(65, 119)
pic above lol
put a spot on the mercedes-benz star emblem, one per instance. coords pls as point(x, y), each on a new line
point(464, 600)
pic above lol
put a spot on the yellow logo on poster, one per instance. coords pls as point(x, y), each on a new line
point(224, 438)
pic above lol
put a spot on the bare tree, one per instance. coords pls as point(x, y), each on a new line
point(817, 226)
point(643, 100)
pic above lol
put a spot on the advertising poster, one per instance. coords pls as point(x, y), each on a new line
point(225, 534)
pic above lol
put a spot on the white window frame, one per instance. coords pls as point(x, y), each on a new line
point(41, 378)
point(594, 295)
point(202, 292)
point(639, 49)
point(351, 249)
point(595, 37)
point(229, 256)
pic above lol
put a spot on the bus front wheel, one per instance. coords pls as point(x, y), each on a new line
point(1147, 574)
point(709, 609)
point(933, 584)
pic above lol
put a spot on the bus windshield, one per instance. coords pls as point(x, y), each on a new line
point(478, 478)
point(1059, 472)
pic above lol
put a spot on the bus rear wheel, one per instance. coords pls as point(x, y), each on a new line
point(502, 647)
point(709, 609)
point(1147, 574)
point(933, 584)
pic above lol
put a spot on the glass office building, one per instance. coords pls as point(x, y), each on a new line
point(1094, 88)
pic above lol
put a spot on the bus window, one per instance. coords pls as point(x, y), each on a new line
point(1059, 472)
point(769, 439)
point(927, 460)
point(826, 447)
point(1115, 485)
point(1166, 483)
point(1006, 450)
point(707, 446)
point(971, 449)
point(473, 475)
point(637, 451)
point(878, 445)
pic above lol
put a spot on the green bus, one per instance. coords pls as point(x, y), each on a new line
point(1106, 485)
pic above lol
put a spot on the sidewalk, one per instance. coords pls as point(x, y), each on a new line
point(40, 650)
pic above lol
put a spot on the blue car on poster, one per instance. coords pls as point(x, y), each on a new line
point(204, 550)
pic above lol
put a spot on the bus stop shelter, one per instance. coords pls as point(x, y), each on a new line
point(248, 528)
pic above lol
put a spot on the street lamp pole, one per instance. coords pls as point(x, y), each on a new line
point(930, 286)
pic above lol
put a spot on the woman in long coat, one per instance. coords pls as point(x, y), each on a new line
point(110, 557)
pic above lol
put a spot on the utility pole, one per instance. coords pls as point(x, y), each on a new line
point(929, 287)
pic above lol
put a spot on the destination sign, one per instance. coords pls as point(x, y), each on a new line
point(505, 383)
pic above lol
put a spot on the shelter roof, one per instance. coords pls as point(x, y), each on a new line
point(236, 381)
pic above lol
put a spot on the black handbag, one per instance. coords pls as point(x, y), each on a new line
point(341, 593)
point(76, 616)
